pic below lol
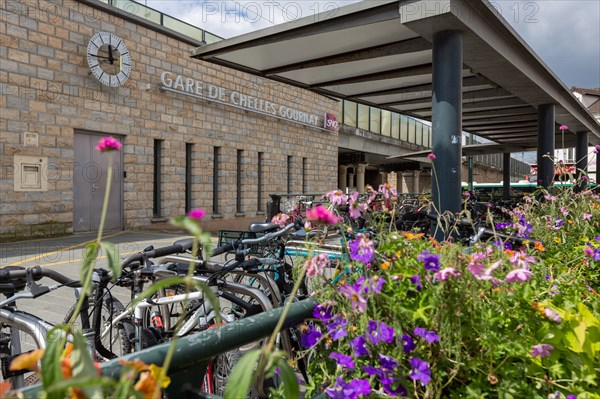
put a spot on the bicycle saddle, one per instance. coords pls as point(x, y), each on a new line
point(262, 227)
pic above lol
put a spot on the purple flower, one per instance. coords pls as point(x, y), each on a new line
point(323, 311)
point(503, 225)
point(342, 360)
point(518, 275)
point(420, 370)
point(378, 331)
point(571, 397)
point(558, 224)
point(374, 285)
point(362, 249)
point(310, 337)
point(387, 387)
point(353, 292)
point(387, 362)
point(541, 350)
point(596, 254)
point(416, 280)
point(430, 336)
point(431, 261)
point(370, 370)
point(359, 346)
point(337, 328)
point(350, 390)
point(409, 344)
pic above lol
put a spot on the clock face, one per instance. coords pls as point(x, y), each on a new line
point(109, 59)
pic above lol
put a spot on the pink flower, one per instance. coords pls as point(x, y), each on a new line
point(563, 127)
point(316, 265)
point(564, 211)
point(387, 190)
point(196, 214)
point(356, 209)
point(281, 219)
point(336, 197)
point(586, 216)
point(549, 197)
point(541, 350)
point(321, 214)
point(552, 315)
point(520, 260)
point(518, 275)
point(431, 156)
point(446, 273)
point(107, 144)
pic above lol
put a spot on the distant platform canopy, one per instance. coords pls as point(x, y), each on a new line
point(379, 53)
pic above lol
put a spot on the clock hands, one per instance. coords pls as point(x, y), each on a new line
point(111, 59)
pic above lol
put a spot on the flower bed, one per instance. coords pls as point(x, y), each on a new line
point(424, 319)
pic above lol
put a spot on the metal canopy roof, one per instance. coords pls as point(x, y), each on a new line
point(379, 53)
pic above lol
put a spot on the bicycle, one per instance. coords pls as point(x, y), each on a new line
point(14, 281)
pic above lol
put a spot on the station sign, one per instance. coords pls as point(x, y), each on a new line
point(196, 88)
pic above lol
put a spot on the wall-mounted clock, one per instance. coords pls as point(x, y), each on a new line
point(108, 59)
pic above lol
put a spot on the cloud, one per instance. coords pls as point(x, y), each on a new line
point(564, 33)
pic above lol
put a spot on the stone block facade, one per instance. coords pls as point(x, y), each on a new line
point(46, 88)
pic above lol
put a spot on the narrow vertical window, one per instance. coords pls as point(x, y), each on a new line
point(189, 151)
point(216, 160)
point(156, 200)
point(238, 182)
point(259, 194)
point(289, 174)
point(303, 175)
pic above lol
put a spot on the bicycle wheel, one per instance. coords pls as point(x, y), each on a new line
point(111, 339)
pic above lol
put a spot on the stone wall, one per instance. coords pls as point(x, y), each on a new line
point(47, 88)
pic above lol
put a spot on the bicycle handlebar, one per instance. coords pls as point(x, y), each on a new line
point(177, 247)
point(8, 275)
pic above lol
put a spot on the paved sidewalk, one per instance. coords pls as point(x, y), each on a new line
point(65, 256)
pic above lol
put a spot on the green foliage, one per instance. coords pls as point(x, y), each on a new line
point(488, 324)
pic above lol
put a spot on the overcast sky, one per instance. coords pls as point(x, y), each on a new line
point(564, 33)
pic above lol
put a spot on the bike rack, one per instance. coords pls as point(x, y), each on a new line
point(193, 352)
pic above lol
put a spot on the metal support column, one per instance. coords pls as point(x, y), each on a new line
point(581, 157)
point(447, 120)
point(506, 176)
point(545, 150)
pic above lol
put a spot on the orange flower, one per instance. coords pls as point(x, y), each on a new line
point(539, 246)
point(148, 386)
point(66, 367)
point(4, 388)
point(136, 365)
point(412, 236)
point(434, 242)
point(509, 252)
point(27, 361)
point(385, 265)
point(156, 371)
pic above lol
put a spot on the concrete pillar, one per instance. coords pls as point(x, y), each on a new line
point(399, 181)
point(581, 156)
point(506, 176)
point(545, 150)
point(447, 120)
point(342, 177)
point(351, 184)
point(360, 178)
point(416, 188)
point(383, 178)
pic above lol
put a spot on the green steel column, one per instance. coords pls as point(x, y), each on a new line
point(506, 176)
point(545, 150)
point(447, 120)
point(581, 157)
